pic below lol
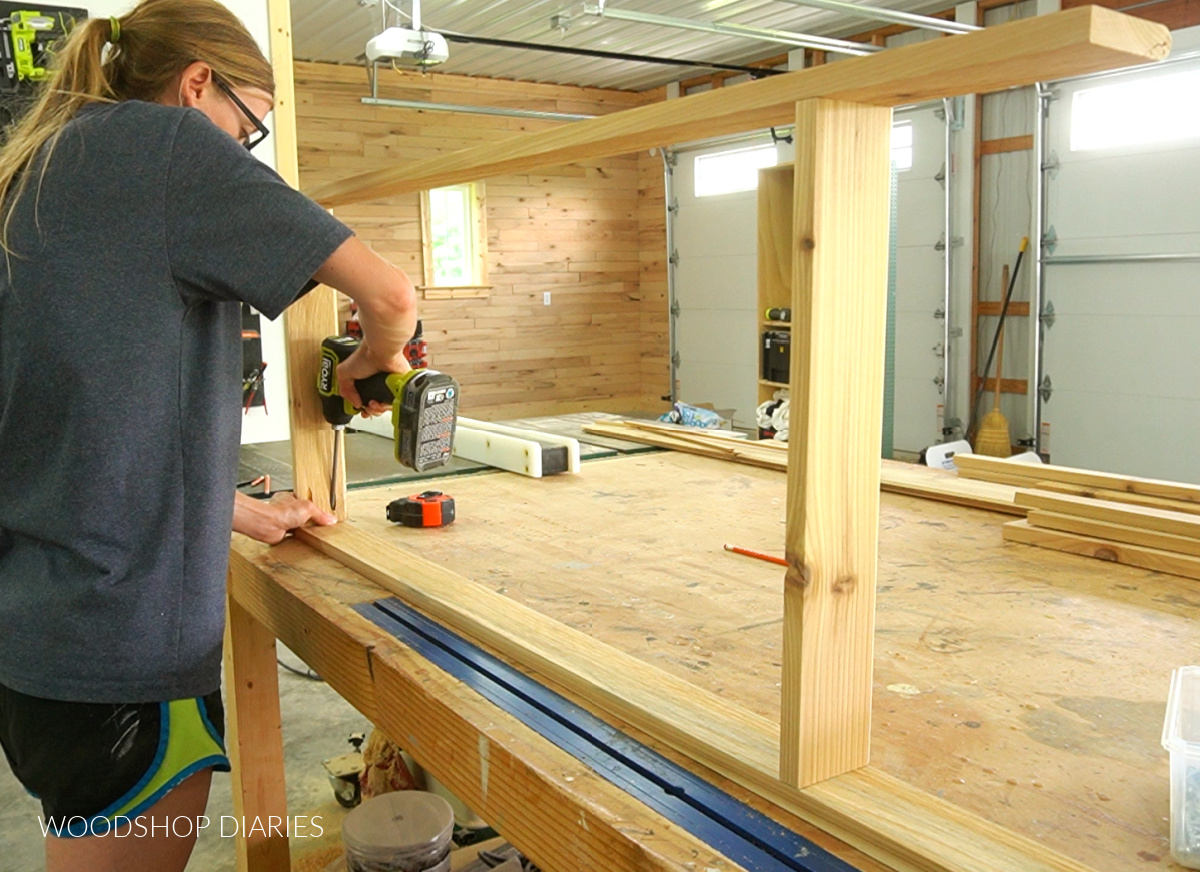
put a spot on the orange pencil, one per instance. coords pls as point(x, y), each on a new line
point(758, 554)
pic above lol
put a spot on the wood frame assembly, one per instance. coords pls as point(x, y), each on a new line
point(255, 743)
point(1018, 53)
point(840, 201)
point(839, 278)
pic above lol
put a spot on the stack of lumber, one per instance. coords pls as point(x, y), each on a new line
point(895, 477)
point(1157, 539)
point(1140, 522)
point(1152, 493)
point(720, 444)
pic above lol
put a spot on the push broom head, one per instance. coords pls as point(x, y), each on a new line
point(992, 438)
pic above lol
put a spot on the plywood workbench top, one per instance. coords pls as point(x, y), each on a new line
point(1024, 685)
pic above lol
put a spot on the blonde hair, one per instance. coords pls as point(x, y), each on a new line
point(146, 49)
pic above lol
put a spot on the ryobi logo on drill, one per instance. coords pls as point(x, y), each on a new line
point(325, 376)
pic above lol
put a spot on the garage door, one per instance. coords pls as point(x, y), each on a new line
point(1121, 300)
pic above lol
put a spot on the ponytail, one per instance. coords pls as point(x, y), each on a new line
point(134, 57)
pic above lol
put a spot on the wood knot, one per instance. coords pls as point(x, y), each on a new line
point(807, 243)
point(845, 584)
point(1107, 554)
point(798, 574)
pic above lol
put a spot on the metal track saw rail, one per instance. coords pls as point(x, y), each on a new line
point(741, 833)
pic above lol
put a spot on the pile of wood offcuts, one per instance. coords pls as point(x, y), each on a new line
point(1136, 521)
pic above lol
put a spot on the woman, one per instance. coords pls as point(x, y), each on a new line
point(135, 223)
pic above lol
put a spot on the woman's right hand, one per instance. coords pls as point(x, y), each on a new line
point(364, 363)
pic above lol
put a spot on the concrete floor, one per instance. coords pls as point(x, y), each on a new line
point(316, 724)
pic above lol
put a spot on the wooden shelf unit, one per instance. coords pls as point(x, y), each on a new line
point(775, 185)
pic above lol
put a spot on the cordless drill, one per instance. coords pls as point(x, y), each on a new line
point(424, 408)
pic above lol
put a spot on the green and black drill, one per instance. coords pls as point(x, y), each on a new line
point(424, 408)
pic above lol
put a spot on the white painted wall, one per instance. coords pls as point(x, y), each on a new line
point(271, 425)
point(1123, 354)
point(920, 284)
point(257, 425)
point(718, 329)
point(920, 279)
point(717, 332)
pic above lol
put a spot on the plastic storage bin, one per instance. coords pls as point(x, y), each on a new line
point(1181, 736)
point(407, 831)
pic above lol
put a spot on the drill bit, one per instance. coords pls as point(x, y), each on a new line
point(339, 433)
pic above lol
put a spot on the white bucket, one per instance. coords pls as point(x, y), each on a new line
point(942, 456)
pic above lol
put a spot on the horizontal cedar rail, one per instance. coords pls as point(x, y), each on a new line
point(1071, 43)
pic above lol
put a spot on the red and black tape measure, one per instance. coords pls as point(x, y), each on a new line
point(428, 509)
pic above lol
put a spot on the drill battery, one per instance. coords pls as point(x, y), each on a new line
point(424, 419)
point(424, 405)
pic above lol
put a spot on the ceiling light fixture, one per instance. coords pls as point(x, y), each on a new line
point(800, 40)
point(876, 13)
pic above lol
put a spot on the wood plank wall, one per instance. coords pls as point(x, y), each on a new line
point(592, 235)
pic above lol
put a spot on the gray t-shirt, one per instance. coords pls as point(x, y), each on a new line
point(120, 389)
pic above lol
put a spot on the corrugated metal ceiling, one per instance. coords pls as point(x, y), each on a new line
point(337, 31)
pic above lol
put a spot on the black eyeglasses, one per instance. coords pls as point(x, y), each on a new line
point(261, 128)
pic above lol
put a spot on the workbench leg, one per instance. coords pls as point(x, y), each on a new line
point(839, 303)
point(254, 739)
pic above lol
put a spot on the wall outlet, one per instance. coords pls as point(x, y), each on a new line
point(545, 298)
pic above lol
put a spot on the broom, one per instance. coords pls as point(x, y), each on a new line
point(987, 367)
point(992, 438)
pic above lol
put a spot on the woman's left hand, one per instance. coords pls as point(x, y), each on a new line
point(271, 520)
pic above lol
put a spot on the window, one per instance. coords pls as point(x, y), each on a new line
point(728, 172)
point(1162, 109)
point(902, 145)
point(454, 238)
